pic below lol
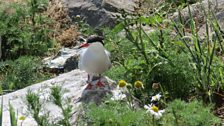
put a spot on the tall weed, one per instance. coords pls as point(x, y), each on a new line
point(204, 55)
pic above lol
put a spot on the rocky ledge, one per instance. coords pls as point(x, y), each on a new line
point(73, 82)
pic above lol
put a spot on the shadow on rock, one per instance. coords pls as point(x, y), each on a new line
point(96, 94)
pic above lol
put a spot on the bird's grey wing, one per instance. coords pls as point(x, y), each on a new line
point(109, 62)
point(81, 54)
point(107, 53)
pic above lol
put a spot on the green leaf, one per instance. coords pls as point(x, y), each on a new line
point(119, 27)
point(179, 43)
point(13, 119)
point(144, 20)
point(1, 112)
point(155, 19)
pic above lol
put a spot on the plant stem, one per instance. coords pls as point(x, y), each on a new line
point(142, 44)
point(175, 116)
point(153, 120)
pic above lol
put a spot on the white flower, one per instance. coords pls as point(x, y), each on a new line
point(154, 111)
point(118, 96)
point(156, 97)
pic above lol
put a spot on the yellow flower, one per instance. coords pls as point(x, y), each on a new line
point(138, 84)
point(154, 108)
point(22, 118)
point(122, 83)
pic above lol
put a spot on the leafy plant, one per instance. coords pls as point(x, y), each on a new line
point(21, 73)
point(22, 30)
point(114, 113)
point(150, 57)
point(56, 94)
point(183, 64)
point(35, 106)
point(175, 113)
point(180, 113)
point(13, 119)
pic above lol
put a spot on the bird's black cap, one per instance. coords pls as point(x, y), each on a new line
point(95, 38)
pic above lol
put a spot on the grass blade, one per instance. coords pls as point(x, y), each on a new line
point(1, 112)
point(13, 119)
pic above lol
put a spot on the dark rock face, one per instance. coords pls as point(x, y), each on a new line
point(71, 63)
point(99, 13)
point(66, 60)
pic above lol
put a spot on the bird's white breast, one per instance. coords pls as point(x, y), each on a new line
point(94, 59)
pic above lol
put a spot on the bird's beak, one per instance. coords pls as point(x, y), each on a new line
point(83, 45)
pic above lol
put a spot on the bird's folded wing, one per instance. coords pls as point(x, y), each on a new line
point(81, 54)
point(107, 53)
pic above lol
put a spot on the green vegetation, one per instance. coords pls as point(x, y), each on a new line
point(22, 30)
point(12, 116)
point(177, 113)
point(35, 106)
point(171, 75)
point(12, 113)
point(63, 104)
point(21, 73)
point(184, 65)
point(114, 114)
point(194, 113)
point(25, 38)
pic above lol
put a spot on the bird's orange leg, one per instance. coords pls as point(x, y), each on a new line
point(89, 86)
point(99, 83)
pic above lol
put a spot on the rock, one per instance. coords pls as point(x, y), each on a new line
point(197, 11)
point(73, 82)
point(71, 63)
point(218, 10)
point(116, 5)
point(217, 6)
point(66, 60)
point(99, 12)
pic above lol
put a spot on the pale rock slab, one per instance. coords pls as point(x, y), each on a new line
point(73, 82)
